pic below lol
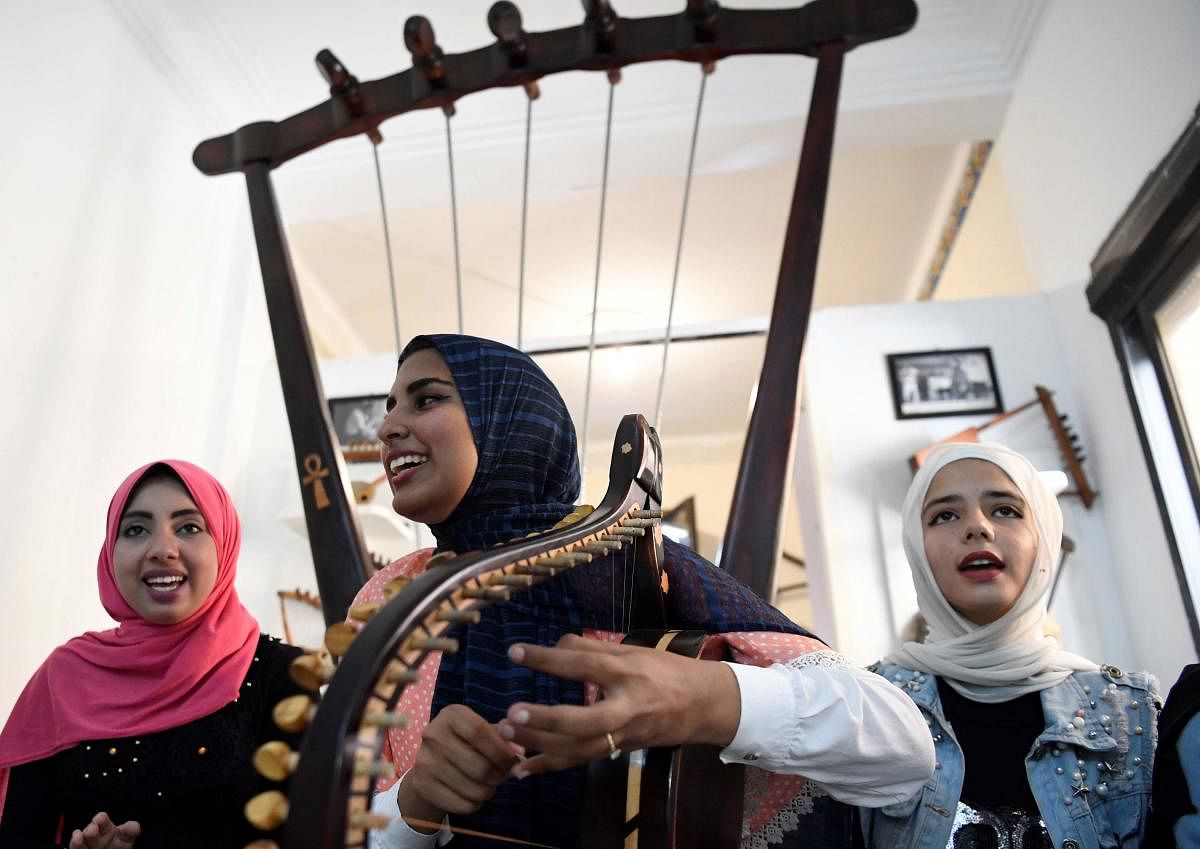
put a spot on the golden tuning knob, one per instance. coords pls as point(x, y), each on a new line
point(294, 713)
point(364, 612)
point(375, 769)
point(384, 719)
point(262, 844)
point(395, 585)
point(580, 512)
point(338, 638)
point(310, 671)
point(267, 811)
point(275, 760)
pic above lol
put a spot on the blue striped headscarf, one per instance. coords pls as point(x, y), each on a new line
point(528, 473)
point(527, 479)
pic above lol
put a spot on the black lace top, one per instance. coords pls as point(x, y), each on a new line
point(186, 786)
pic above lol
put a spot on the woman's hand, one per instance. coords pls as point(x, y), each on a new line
point(651, 698)
point(102, 833)
point(462, 761)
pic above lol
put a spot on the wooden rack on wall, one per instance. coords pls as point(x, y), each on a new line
point(1065, 438)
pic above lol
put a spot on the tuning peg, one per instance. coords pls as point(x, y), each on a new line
point(395, 585)
point(385, 719)
point(294, 713)
point(267, 811)
point(262, 844)
point(338, 638)
point(703, 15)
point(311, 671)
point(364, 612)
point(422, 44)
point(504, 20)
point(343, 85)
point(442, 644)
point(601, 21)
point(375, 769)
point(275, 760)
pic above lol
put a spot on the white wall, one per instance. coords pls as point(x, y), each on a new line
point(134, 328)
point(849, 435)
point(1104, 92)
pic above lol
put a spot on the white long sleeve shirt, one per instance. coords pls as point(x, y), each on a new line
point(848, 730)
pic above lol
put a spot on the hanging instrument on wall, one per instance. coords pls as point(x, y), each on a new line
point(1066, 440)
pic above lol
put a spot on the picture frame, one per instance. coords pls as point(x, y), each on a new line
point(957, 382)
point(679, 523)
point(357, 418)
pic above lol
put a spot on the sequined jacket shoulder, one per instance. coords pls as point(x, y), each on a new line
point(1089, 769)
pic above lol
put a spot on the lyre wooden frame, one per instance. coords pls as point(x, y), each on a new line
point(702, 33)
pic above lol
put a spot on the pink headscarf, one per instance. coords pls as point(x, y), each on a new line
point(139, 677)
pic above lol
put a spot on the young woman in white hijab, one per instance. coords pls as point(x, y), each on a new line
point(1036, 747)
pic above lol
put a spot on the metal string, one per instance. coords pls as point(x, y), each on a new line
point(687, 193)
point(454, 221)
point(387, 246)
point(587, 391)
point(524, 221)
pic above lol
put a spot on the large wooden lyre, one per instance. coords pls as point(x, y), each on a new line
point(334, 773)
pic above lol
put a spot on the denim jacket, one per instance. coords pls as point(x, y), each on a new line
point(1090, 769)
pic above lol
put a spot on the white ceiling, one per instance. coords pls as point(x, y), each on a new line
point(909, 105)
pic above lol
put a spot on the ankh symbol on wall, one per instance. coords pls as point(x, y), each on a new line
point(312, 465)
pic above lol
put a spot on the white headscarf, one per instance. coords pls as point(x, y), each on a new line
point(1011, 656)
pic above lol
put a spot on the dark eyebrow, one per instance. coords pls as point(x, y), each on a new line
point(945, 499)
point(142, 514)
point(1002, 494)
point(421, 383)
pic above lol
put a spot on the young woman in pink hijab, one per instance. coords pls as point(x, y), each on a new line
point(143, 735)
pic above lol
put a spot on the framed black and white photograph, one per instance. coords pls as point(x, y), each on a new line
point(944, 383)
point(357, 419)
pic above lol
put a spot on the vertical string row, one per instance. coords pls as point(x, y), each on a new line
point(587, 391)
point(524, 222)
point(387, 249)
point(687, 193)
point(454, 223)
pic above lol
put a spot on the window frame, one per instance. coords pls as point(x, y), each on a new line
point(1148, 256)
